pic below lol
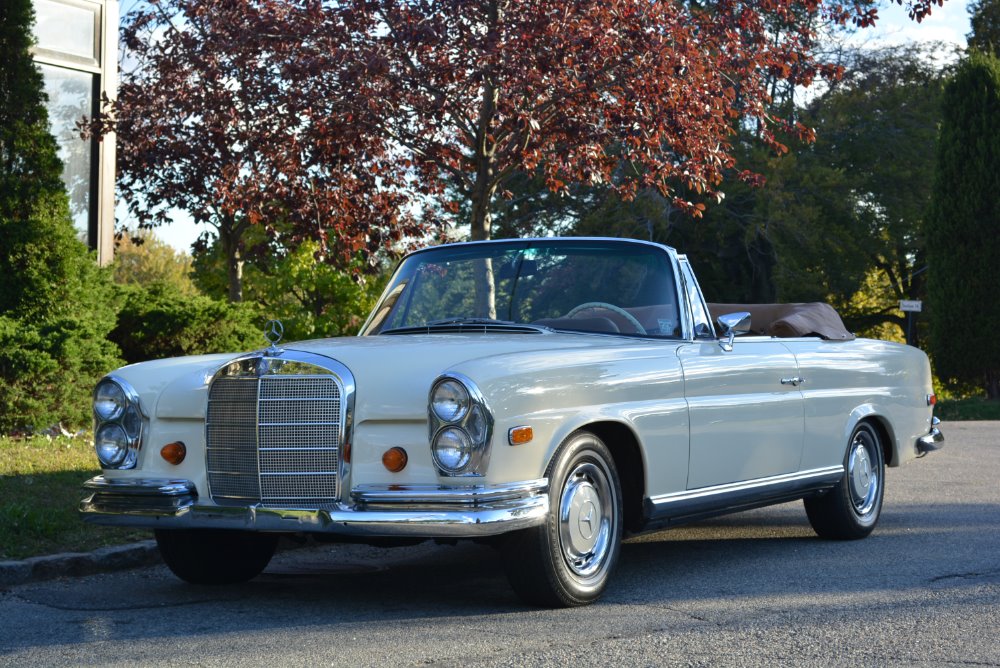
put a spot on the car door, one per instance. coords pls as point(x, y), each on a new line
point(745, 422)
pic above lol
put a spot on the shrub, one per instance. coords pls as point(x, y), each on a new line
point(160, 321)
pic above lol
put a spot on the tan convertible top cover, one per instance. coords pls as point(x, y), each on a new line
point(789, 320)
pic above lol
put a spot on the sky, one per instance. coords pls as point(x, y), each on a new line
point(949, 24)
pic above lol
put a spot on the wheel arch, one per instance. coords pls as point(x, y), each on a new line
point(881, 424)
point(624, 446)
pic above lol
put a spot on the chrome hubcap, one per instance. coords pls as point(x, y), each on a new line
point(862, 475)
point(586, 516)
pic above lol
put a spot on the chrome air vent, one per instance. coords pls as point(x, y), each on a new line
point(276, 430)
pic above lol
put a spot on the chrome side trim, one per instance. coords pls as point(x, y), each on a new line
point(934, 440)
point(470, 512)
point(678, 507)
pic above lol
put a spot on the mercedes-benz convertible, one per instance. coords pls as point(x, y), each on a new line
point(548, 396)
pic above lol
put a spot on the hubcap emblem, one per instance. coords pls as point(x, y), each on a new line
point(587, 519)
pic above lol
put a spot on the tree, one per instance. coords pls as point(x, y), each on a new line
point(55, 303)
point(226, 111)
point(312, 299)
point(984, 16)
point(141, 258)
point(963, 229)
point(876, 136)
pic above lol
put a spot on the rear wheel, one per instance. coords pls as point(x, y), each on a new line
point(208, 556)
point(852, 508)
point(568, 560)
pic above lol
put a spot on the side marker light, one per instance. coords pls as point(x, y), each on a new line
point(520, 435)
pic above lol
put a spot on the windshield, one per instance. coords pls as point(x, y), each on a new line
point(604, 286)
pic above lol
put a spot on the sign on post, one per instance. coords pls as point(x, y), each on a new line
point(911, 305)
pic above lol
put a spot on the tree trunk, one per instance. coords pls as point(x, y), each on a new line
point(992, 385)
point(230, 242)
point(485, 186)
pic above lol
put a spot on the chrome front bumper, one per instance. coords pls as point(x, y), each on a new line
point(415, 510)
point(934, 440)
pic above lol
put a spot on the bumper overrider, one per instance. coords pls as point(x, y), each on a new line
point(427, 511)
point(934, 440)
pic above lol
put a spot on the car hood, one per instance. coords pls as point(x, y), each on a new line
point(392, 374)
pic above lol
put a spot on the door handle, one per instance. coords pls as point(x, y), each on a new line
point(795, 382)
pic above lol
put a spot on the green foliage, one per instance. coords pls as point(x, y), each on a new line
point(846, 211)
point(311, 298)
point(56, 305)
point(141, 258)
point(970, 408)
point(159, 321)
point(963, 230)
point(984, 16)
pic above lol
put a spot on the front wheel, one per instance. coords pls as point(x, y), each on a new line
point(211, 557)
point(568, 560)
point(852, 508)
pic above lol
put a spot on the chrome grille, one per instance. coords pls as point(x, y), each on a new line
point(274, 439)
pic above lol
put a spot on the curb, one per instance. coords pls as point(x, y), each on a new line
point(75, 564)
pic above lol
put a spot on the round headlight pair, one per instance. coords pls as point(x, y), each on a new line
point(460, 427)
point(118, 425)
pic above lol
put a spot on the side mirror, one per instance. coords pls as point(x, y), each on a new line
point(732, 324)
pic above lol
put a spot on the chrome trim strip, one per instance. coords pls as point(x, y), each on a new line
point(705, 492)
point(141, 486)
point(694, 504)
point(470, 495)
point(494, 510)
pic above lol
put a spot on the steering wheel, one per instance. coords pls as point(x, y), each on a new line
point(610, 307)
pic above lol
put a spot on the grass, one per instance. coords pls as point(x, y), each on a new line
point(40, 490)
point(971, 408)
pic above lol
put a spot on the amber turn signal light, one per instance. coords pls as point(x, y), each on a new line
point(394, 459)
point(174, 452)
point(520, 435)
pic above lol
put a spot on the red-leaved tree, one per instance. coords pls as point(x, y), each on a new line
point(627, 93)
point(229, 111)
point(331, 119)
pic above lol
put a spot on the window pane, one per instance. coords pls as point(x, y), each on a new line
point(67, 29)
point(71, 97)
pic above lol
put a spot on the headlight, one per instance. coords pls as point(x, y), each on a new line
point(109, 401)
point(118, 424)
point(450, 400)
point(111, 443)
point(452, 449)
point(461, 426)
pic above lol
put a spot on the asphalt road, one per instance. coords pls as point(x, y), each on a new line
point(754, 589)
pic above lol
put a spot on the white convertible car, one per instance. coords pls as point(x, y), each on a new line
point(547, 395)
